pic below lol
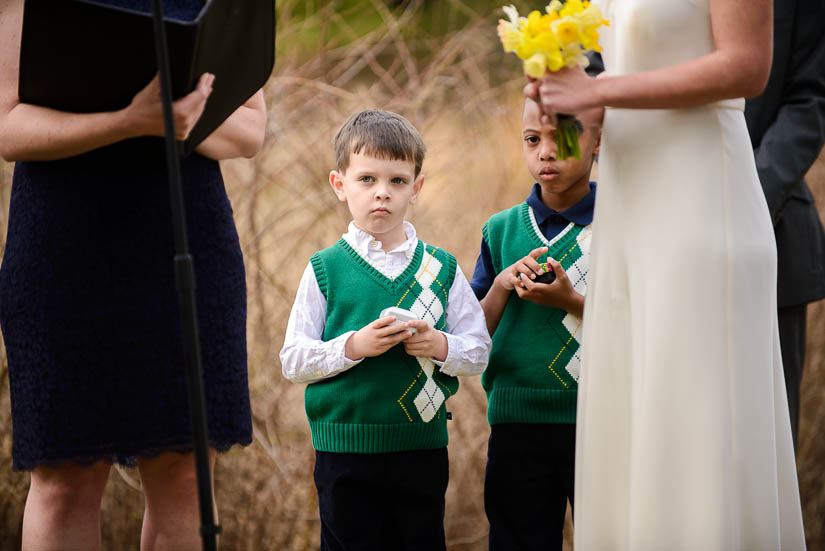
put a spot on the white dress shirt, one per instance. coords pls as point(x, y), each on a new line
point(305, 358)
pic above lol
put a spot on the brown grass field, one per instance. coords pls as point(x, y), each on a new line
point(464, 96)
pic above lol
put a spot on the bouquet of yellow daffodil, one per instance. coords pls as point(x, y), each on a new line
point(559, 38)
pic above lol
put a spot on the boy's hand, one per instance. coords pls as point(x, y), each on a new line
point(376, 338)
point(426, 342)
point(528, 266)
point(559, 294)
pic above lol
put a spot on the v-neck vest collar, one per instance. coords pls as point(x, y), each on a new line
point(391, 283)
point(528, 217)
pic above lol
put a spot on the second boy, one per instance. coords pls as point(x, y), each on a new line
point(533, 371)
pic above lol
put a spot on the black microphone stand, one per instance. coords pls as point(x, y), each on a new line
point(185, 283)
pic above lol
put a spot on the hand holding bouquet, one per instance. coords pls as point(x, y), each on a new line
point(549, 42)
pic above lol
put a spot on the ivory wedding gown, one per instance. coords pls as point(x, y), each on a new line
point(683, 432)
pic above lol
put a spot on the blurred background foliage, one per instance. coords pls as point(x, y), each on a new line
point(439, 64)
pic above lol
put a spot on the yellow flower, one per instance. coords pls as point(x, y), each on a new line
point(553, 40)
point(590, 39)
point(526, 47)
point(546, 42)
point(567, 31)
point(571, 7)
point(591, 15)
point(554, 60)
point(573, 55)
point(553, 6)
point(534, 23)
point(509, 35)
point(536, 65)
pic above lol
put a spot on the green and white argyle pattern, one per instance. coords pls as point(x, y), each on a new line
point(429, 304)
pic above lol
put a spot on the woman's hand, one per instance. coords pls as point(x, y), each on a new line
point(567, 91)
point(145, 113)
point(241, 135)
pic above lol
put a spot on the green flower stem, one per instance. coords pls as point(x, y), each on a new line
point(567, 137)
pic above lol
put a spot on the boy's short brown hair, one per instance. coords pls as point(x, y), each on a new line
point(381, 134)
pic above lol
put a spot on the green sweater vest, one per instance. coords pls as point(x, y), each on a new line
point(533, 371)
point(392, 402)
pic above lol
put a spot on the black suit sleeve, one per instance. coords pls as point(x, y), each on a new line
point(596, 64)
point(793, 141)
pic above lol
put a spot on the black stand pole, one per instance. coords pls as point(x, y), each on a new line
point(185, 283)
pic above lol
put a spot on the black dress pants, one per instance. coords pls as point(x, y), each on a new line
point(385, 501)
point(792, 328)
point(530, 476)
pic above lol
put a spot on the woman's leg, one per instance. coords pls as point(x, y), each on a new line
point(172, 519)
point(63, 507)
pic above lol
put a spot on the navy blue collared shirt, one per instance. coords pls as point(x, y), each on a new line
point(550, 223)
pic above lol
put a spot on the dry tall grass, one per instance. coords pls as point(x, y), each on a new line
point(451, 88)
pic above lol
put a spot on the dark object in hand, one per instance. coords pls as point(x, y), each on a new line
point(549, 276)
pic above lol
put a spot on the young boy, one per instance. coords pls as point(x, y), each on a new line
point(376, 409)
point(534, 366)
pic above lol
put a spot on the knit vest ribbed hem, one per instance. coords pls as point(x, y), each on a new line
point(362, 438)
point(516, 404)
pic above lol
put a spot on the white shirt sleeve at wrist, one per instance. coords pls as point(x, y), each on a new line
point(468, 342)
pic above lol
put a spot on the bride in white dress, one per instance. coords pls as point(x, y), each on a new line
point(683, 433)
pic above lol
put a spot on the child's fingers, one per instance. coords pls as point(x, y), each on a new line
point(383, 322)
point(531, 263)
point(513, 281)
point(412, 349)
point(528, 284)
point(412, 340)
point(420, 325)
point(418, 336)
point(416, 349)
point(390, 330)
point(526, 272)
point(391, 340)
point(557, 269)
point(412, 345)
point(535, 253)
point(555, 265)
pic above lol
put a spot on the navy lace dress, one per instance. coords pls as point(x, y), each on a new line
point(88, 304)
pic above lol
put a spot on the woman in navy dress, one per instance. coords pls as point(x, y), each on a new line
point(88, 303)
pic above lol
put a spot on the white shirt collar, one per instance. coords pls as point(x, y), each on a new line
point(391, 263)
point(363, 242)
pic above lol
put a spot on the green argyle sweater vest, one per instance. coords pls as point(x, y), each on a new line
point(533, 373)
point(392, 402)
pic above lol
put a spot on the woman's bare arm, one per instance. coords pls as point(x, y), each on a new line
point(34, 133)
point(241, 135)
point(738, 67)
point(30, 132)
